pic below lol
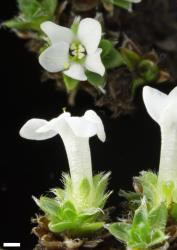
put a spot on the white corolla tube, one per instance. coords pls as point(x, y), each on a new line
point(163, 109)
point(75, 133)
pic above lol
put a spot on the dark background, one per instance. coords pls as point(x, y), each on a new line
point(31, 168)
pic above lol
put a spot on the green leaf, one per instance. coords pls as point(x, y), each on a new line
point(120, 230)
point(92, 227)
point(95, 79)
point(136, 83)
point(28, 7)
point(84, 188)
point(141, 215)
point(148, 181)
point(113, 59)
point(32, 8)
point(130, 196)
point(49, 6)
point(167, 189)
point(140, 236)
point(16, 23)
point(157, 237)
point(130, 58)
point(69, 214)
point(62, 227)
point(148, 70)
point(174, 198)
point(158, 217)
point(68, 204)
point(32, 14)
point(49, 206)
point(173, 211)
point(59, 193)
point(122, 3)
point(106, 47)
point(70, 83)
point(100, 183)
point(75, 227)
point(110, 56)
point(148, 177)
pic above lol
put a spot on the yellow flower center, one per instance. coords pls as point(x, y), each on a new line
point(77, 51)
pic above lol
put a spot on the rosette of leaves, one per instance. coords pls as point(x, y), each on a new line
point(147, 185)
point(76, 214)
point(145, 230)
point(153, 214)
point(31, 14)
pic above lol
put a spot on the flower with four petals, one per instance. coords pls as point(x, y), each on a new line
point(73, 51)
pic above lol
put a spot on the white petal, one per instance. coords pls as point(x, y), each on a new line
point(56, 124)
point(55, 58)
point(89, 33)
point(76, 71)
point(93, 63)
point(29, 130)
point(57, 33)
point(155, 102)
point(82, 127)
point(169, 118)
point(91, 116)
point(173, 94)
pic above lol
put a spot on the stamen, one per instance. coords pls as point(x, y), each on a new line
point(77, 51)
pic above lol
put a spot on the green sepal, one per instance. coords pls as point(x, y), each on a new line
point(96, 80)
point(75, 25)
point(70, 83)
point(110, 56)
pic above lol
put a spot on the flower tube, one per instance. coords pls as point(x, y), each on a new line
point(163, 109)
point(75, 133)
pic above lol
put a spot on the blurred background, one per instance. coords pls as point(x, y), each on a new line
point(31, 168)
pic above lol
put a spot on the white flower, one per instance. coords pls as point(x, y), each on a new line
point(75, 133)
point(73, 53)
point(163, 109)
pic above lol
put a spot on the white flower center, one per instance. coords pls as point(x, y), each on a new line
point(77, 51)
